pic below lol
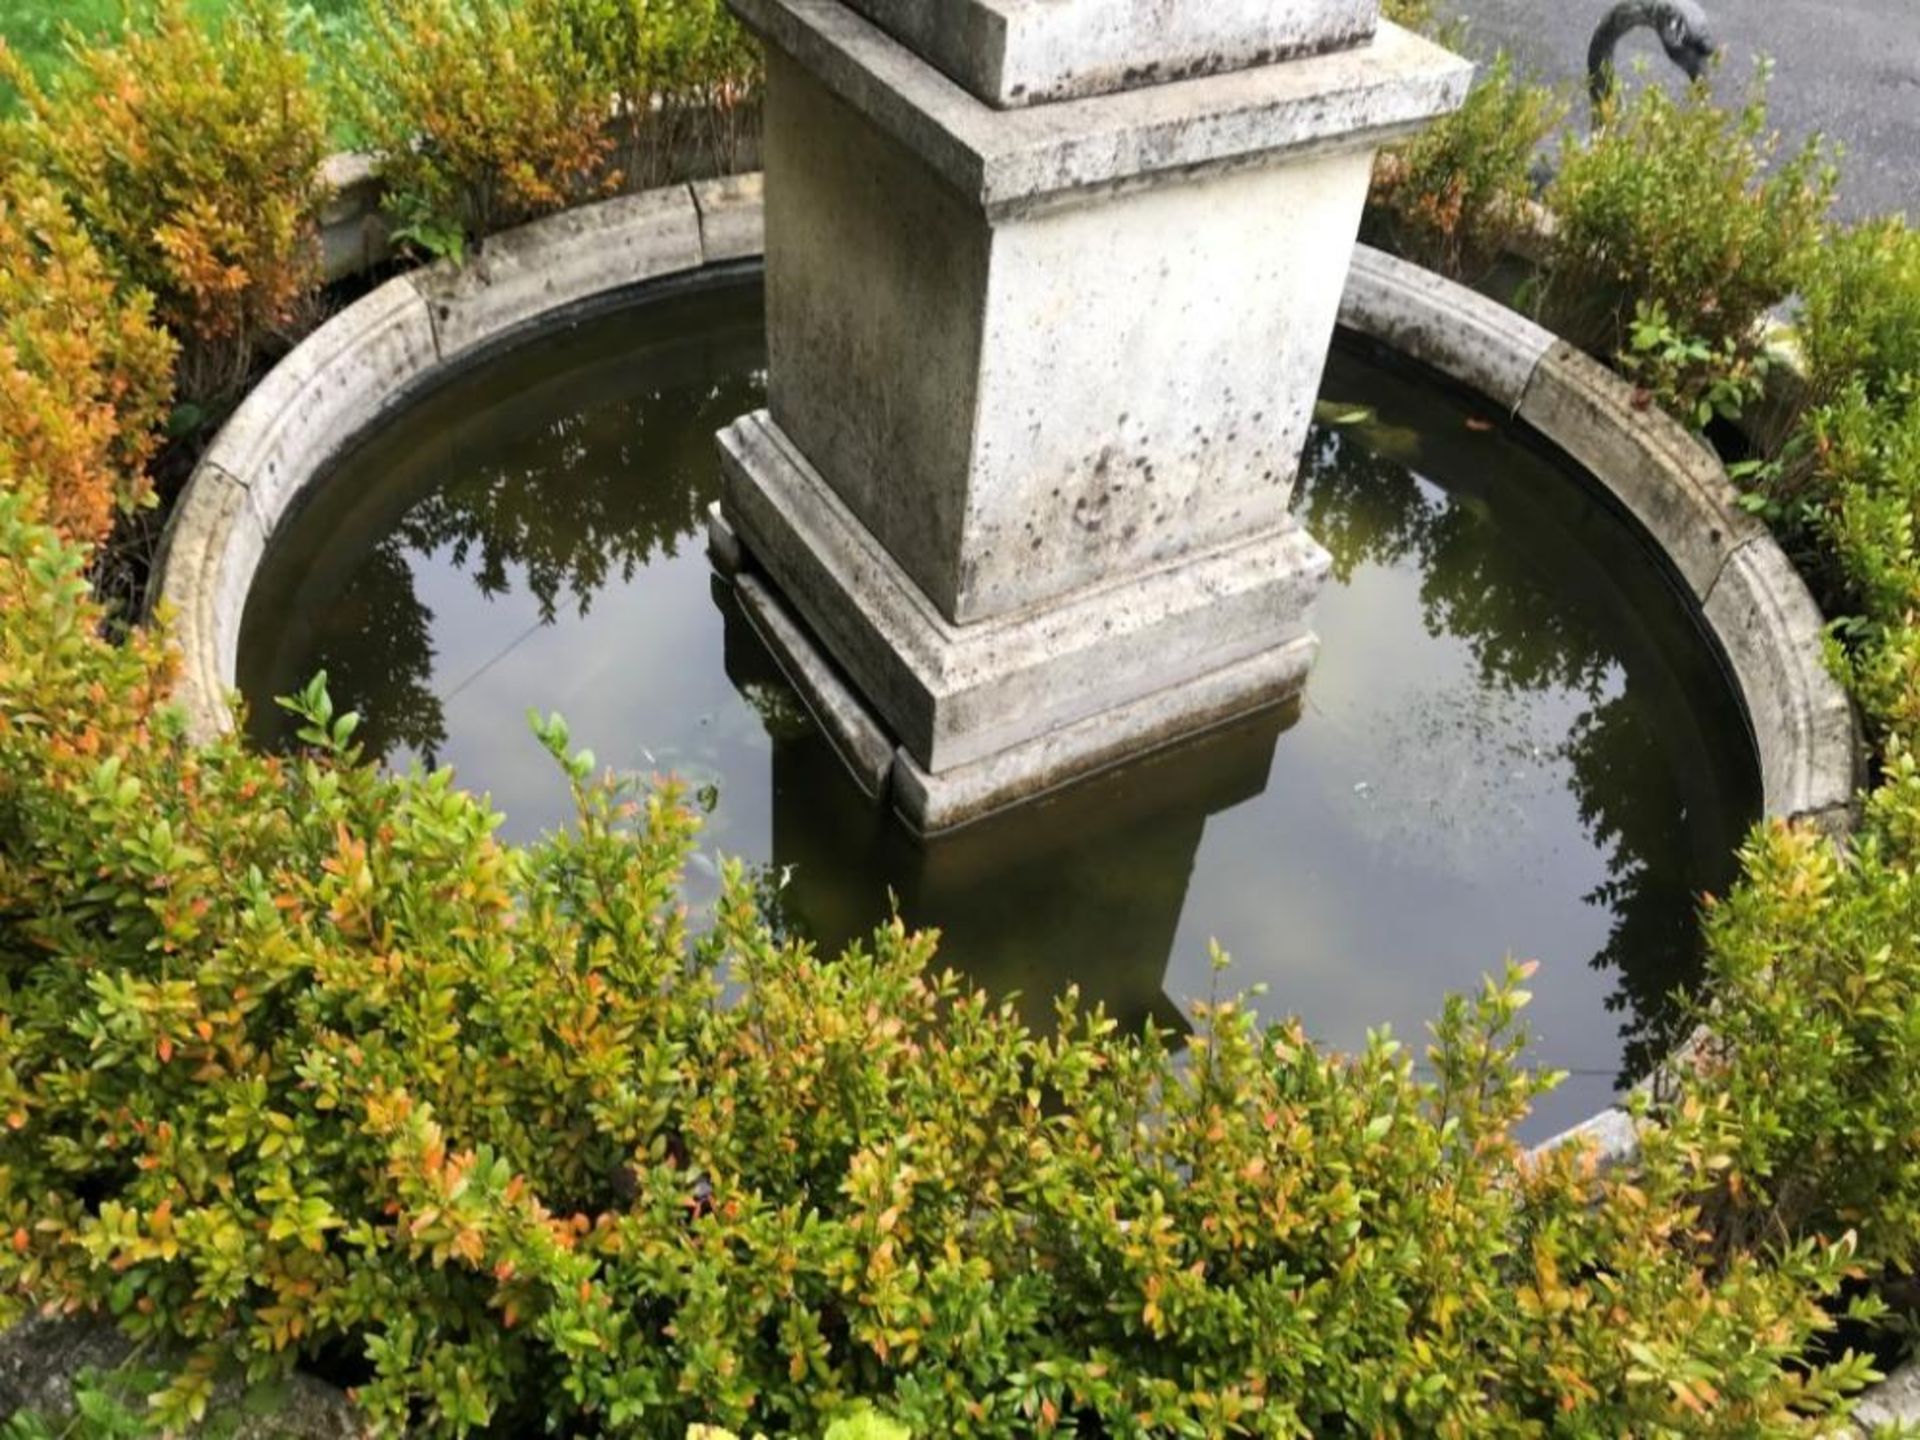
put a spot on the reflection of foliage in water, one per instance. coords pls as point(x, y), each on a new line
point(1366, 507)
point(585, 501)
point(1477, 587)
point(568, 507)
point(577, 507)
point(1651, 894)
point(377, 651)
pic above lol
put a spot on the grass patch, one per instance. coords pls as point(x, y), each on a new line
point(39, 30)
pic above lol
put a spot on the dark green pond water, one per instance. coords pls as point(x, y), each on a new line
point(1516, 741)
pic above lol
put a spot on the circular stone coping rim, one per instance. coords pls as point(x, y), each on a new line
point(415, 328)
point(1755, 606)
point(350, 373)
point(375, 354)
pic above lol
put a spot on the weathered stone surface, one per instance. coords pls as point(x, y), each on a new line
point(732, 217)
point(1151, 403)
point(1002, 160)
point(41, 1358)
point(524, 274)
point(866, 749)
point(1665, 478)
point(351, 178)
point(336, 381)
point(1836, 822)
point(354, 245)
point(956, 694)
point(1611, 1135)
point(876, 275)
point(1894, 1402)
point(211, 548)
point(723, 543)
point(353, 234)
point(1012, 418)
point(1024, 52)
point(1457, 331)
point(1803, 725)
point(932, 803)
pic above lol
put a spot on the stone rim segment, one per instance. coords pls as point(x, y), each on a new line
point(732, 217)
point(1008, 160)
point(346, 375)
point(1669, 481)
point(1803, 724)
point(1459, 332)
point(336, 382)
point(517, 277)
point(1894, 1402)
point(206, 566)
point(1011, 53)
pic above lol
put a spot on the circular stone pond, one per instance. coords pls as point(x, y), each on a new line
point(1517, 740)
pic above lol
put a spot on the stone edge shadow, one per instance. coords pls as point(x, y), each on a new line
point(349, 373)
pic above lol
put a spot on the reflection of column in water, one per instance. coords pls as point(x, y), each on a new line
point(826, 832)
point(1083, 887)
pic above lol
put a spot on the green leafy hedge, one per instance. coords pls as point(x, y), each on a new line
point(487, 113)
point(1681, 206)
point(297, 1057)
point(299, 1063)
point(1455, 198)
point(1675, 226)
point(1693, 219)
point(192, 157)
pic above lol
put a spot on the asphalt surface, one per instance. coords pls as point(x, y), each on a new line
point(1849, 69)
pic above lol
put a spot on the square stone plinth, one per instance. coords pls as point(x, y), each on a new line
point(1028, 52)
point(1040, 374)
point(1163, 650)
point(1090, 344)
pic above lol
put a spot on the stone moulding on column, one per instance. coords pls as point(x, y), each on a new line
point(1027, 52)
point(1007, 160)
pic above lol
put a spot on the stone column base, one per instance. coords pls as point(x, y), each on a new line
point(991, 713)
point(933, 803)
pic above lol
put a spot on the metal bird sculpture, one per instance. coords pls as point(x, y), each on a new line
point(1684, 30)
point(1685, 34)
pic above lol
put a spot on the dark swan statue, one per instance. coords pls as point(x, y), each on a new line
point(1685, 34)
point(1684, 30)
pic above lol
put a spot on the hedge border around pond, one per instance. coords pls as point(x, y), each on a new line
point(371, 357)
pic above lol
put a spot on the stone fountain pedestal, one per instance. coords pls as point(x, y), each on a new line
point(1046, 324)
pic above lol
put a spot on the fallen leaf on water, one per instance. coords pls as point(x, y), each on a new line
point(1333, 412)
